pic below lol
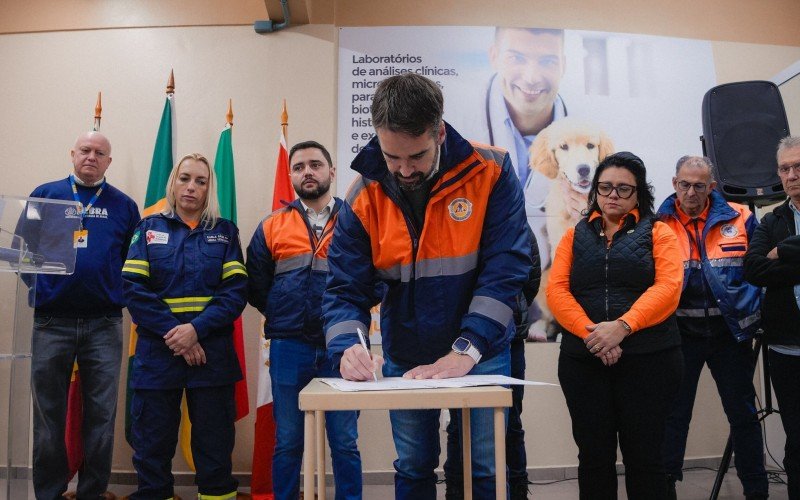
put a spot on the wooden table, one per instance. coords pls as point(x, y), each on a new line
point(317, 398)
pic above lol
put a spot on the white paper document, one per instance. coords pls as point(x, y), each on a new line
point(399, 383)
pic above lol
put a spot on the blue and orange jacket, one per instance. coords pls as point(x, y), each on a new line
point(713, 268)
point(458, 277)
point(287, 265)
point(175, 275)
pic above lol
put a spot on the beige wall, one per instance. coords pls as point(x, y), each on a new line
point(49, 81)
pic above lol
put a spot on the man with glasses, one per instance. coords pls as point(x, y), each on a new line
point(717, 316)
point(772, 262)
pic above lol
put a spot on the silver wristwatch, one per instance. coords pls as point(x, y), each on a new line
point(464, 346)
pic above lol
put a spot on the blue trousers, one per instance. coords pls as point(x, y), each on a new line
point(156, 416)
point(96, 343)
point(516, 458)
point(292, 365)
point(416, 440)
point(731, 364)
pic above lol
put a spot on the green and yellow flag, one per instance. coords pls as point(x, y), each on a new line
point(154, 201)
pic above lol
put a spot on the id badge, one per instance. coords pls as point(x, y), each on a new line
point(80, 238)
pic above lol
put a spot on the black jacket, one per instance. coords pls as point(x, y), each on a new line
point(607, 280)
point(779, 312)
point(529, 291)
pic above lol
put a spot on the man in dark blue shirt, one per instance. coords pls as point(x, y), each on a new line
point(78, 318)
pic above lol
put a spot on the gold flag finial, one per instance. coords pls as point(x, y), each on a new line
point(284, 120)
point(171, 82)
point(98, 112)
point(229, 116)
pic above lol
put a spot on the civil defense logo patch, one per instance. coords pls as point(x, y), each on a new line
point(729, 231)
point(460, 209)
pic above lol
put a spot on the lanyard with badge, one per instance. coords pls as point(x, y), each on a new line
point(80, 238)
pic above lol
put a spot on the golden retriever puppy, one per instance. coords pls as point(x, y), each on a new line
point(568, 152)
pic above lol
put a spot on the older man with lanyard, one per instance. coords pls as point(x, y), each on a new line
point(79, 318)
point(717, 317)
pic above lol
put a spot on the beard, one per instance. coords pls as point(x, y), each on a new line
point(314, 193)
point(416, 180)
point(411, 183)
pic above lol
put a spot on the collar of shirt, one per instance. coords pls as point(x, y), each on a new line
point(79, 182)
point(498, 112)
point(326, 209)
point(319, 219)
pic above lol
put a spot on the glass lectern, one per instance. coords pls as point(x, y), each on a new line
point(36, 237)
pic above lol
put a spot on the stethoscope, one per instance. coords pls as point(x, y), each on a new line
point(491, 130)
point(489, 114)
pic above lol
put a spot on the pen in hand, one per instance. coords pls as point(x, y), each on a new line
point(364, 345)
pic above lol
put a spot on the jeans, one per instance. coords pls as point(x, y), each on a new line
point(292, 365)
point(731, 364)
point(96, 344)
point(630, 401)
point(416, 440)
point(785, 372)
point(156, 415)
point(516, 458)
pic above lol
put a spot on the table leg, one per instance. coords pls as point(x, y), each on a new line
point(308, 456)
point(500, 453)
point(466, 443)
point(320, 421)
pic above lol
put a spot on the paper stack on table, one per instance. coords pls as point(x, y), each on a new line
point(399, 383)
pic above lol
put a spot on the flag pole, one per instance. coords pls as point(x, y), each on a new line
point(285, 121)
point(98, 112)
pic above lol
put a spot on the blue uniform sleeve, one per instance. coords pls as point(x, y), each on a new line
point(133, 221)
point(350, 290)
point(230, 296)
point(504, 263)
point(260, 271)
point(143, 303)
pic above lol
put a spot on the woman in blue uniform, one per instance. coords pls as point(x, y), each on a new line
point(185, 284)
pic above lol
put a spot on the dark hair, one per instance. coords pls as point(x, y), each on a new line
point(408, 103)
point(634, 165)
point(308, 145)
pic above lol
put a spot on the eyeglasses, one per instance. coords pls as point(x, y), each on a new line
point(624, 191)
point(784, 169)
point(699, 187)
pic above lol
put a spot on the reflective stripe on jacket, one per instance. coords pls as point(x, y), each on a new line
point(718, 261)
point(175, 275)
point(459, 276)
point(288, 265)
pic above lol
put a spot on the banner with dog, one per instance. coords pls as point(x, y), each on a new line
point(557, 100)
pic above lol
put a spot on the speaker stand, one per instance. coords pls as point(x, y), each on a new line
point(759, 347)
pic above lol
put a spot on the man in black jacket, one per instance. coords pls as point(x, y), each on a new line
point(516, 457)
point(773, 261)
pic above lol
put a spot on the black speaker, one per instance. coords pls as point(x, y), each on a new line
point(742, 125)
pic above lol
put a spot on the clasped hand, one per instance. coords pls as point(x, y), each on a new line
point(604, 339)
point(182, 340)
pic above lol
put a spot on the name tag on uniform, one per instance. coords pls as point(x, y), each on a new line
point(80, 238)
point(217, 238)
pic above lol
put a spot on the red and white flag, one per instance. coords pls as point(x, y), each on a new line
point(264, 442)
